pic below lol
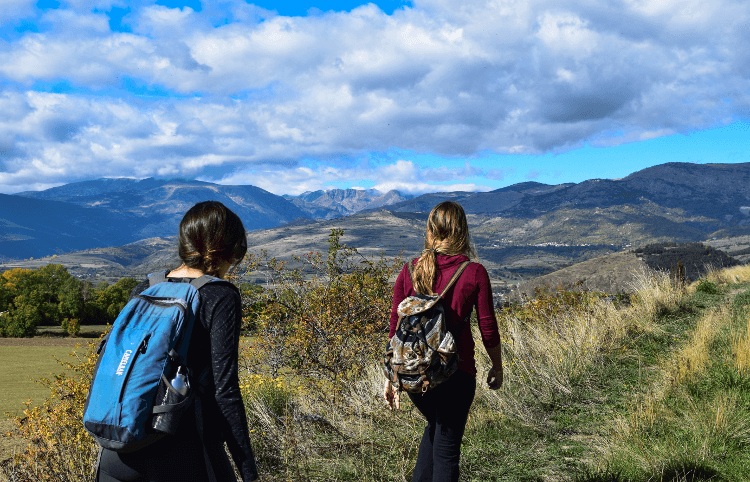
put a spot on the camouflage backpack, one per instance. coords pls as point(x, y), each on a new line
point(422, 353)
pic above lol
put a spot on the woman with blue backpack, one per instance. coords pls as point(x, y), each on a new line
point(443, 395)
point(211, 240)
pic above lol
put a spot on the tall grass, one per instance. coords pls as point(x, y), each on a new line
point(545, 356)
point(690, 420)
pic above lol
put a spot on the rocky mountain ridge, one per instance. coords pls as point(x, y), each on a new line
point(335, 203)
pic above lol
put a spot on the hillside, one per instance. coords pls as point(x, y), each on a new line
point(520, 231)
point(614, 273)
point(619, 272)
point(39, 227)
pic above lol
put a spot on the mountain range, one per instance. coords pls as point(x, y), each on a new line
point(520, 230)
point(112, 212)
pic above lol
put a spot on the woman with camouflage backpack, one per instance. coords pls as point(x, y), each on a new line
point(446, 405)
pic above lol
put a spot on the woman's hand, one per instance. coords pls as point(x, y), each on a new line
point(495, 378)
point(495, 375)
point(392, 397)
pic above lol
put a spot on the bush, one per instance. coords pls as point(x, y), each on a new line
point(706, 286)
point(326, 329)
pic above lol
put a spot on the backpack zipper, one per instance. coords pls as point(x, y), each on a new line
point(168, 302)
point(142, 347)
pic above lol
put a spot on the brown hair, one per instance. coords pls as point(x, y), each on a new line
point(447, 233)
point(211, 235)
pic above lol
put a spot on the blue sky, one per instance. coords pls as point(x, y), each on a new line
point(419, 96)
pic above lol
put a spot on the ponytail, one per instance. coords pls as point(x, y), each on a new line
point(448, 234)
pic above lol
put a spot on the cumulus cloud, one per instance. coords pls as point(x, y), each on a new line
point(247, 89)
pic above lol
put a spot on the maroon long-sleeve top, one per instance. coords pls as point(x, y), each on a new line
point(471, 290)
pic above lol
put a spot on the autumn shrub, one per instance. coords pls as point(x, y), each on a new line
point(324, 327)
point(59, 449)
point(71, 326)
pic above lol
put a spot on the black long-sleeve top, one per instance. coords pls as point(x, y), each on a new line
point(215, 344)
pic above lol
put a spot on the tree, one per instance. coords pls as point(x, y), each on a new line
point(23, 319)
point(109, 300)
point(70, 296)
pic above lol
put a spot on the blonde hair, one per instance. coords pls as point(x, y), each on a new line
point(447, 233)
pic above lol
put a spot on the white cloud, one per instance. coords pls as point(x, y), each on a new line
point(402, 175)
point(445, 77)
point(11, 10)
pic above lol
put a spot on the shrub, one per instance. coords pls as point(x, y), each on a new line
point(706, 286)
point(327, 328)
point(71, 326)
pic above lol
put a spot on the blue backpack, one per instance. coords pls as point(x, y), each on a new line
point(148, 341)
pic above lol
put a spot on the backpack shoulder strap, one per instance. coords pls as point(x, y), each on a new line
point(202, 281)
point(198, 283)
point(455, 276)
point(156, 278)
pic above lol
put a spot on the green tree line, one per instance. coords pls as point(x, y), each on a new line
point(51, 296)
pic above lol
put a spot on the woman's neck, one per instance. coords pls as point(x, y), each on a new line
point(185, 272)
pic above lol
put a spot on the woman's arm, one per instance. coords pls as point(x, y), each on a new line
point(488, 328)
point(225, 337)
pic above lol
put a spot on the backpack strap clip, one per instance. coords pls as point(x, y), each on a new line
point(198, 283)
point(156, 278)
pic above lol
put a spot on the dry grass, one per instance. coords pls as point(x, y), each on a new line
point(701, 425)
point(741, 350)
point(654, 292)
point(542, 358)
point(693, 357)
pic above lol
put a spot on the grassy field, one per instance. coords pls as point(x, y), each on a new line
point(24, 360)
point(658, 390)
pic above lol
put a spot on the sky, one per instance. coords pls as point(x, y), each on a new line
point(419, 96)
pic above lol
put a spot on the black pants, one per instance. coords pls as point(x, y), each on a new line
point(186, 456)
point(446, 409)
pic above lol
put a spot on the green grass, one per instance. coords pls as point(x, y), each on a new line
point(559, 444)
point(19, 367)
point(687, 441)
